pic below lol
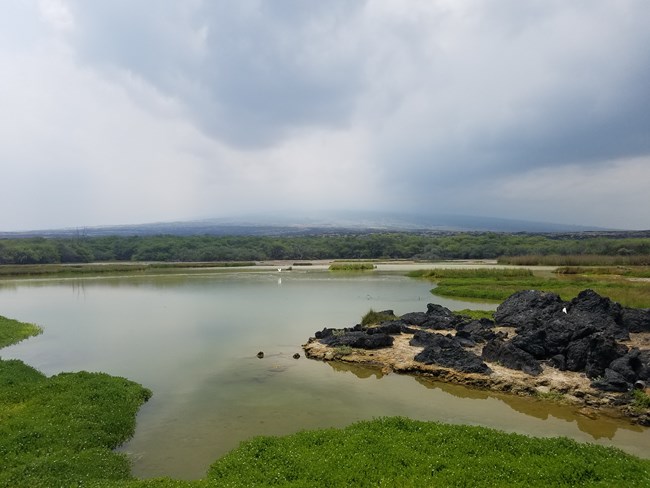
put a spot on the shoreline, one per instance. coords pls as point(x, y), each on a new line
point(566, 387)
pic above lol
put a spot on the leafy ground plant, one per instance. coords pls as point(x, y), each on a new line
point(372, 317)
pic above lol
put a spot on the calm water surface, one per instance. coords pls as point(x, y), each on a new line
point(193, 340)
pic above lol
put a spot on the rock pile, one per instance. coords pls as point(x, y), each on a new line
point(587, 334)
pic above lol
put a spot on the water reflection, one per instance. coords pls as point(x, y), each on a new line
point(599, 427)
point(361, 371)
point(193, 340)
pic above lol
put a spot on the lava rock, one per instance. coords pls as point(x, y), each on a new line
point(636, 319)
point(447, 352)
point(414, 318)
point(510, 356)
point(528, 308)
point(357, 339)
point(477, 330)
point(611, 381)
point(603, 349)
point(440, 318)
point(388, 327)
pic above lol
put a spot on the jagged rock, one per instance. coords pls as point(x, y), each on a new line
point(558, 361)
point(447, 352)
point(322, 334)
point(605, 314)
point(636, 319)
point(611, 381)
point(592, 302)
point(414, 318)
point(361, 340)
point(533, 342)
point(643, 372)
point(477, 330)
point(576, 355)
point(603, 349)
point(439, 317)
point(388, 327)
point(510, 356)
point(465, 339)
point(633, 366)
point(528, 308)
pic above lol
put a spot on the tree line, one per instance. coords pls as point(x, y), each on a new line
point(352, 246)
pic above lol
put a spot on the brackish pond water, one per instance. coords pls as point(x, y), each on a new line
point(193, 340)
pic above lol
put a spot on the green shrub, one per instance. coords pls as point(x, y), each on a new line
point(641, 400)
point(372, 317)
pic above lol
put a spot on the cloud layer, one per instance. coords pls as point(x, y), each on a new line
point(127, 112)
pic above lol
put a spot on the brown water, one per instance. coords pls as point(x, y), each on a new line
point(193, 340)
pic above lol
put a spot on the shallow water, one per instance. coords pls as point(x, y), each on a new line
point(193, 339)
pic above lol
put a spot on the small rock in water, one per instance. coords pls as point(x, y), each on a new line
point(296, 356)
point(260, 354)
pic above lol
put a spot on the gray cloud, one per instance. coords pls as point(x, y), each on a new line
point(248, 71)
point(386, 105)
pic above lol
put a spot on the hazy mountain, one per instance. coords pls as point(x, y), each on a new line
point(300, 225)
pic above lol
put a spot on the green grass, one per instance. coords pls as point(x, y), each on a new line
point(125, 267)
point(351, 267)
point(627, 271)
point(476, 314)
point(497, 285)
point(408, 453)
point(481, 273)
point(577, 260)
point(12, 331)
point(641, 400)
point(372, 318)
point(61, 430)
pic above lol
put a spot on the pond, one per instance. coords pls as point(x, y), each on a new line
point(193, 338)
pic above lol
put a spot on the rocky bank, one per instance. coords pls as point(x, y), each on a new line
point(590, 351)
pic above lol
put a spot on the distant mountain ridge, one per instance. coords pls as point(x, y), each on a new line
point(342, 223)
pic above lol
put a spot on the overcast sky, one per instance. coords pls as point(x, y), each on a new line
point(133, 111)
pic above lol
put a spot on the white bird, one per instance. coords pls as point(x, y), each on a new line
point(564, 310)
point(279, 270)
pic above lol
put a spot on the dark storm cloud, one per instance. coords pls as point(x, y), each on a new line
point(248, 71)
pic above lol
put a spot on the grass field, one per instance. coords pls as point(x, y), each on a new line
point(498, 284)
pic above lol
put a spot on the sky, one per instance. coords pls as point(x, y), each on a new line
point(135, 111)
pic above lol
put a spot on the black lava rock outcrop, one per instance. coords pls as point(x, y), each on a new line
point(581, 335)
point(446, 351)
point(353, 338)
point(436, 317)
point(510, 356)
